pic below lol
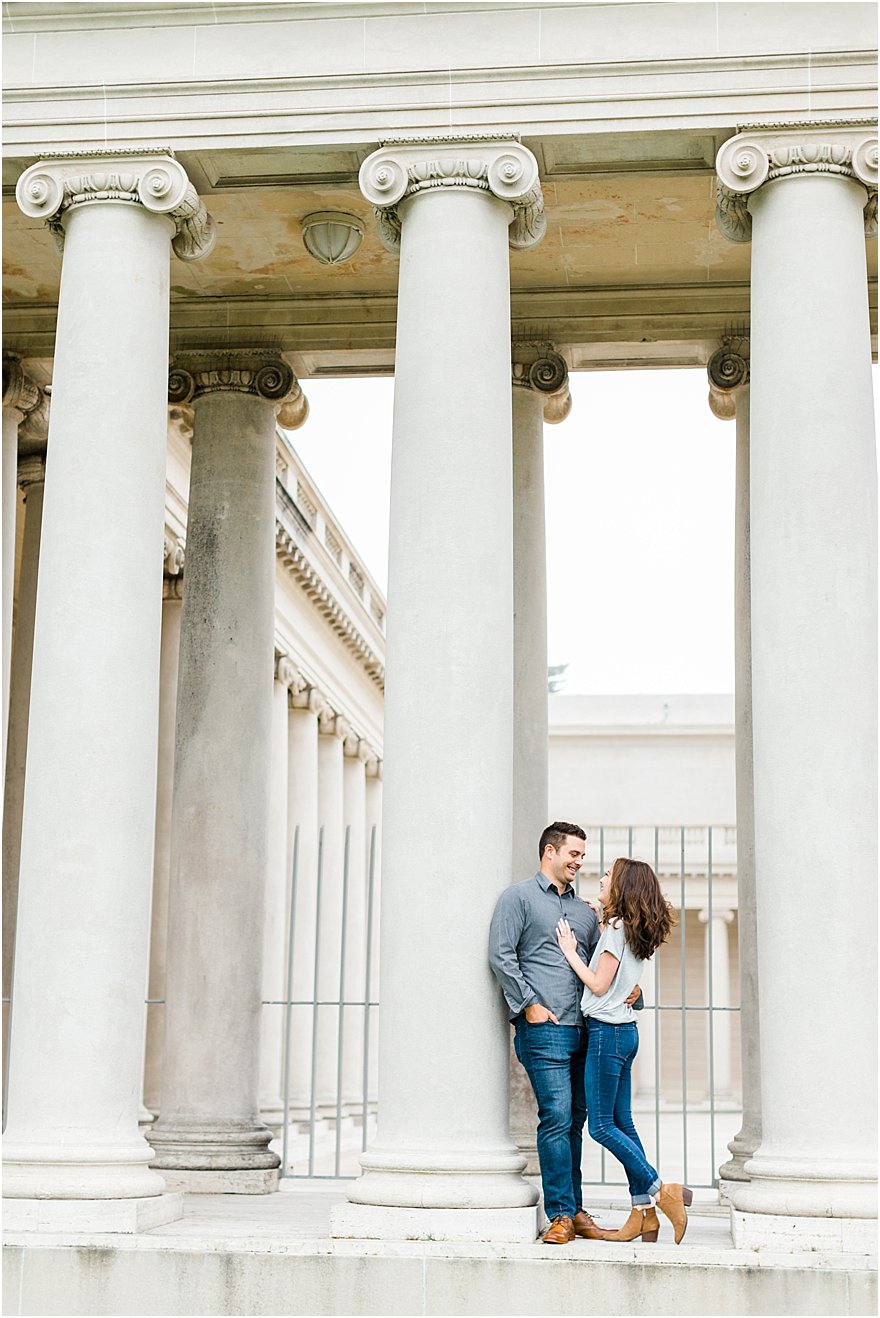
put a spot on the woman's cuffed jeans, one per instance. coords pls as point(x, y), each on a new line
point(611, 1050)
point(553, 1058)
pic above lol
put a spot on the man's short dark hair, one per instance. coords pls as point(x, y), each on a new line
point(556, 833)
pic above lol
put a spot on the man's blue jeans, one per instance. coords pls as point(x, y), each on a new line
point(611, 1050)
point(553, 1058)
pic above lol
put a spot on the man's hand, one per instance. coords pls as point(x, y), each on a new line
point(537, 1015)
point(633, 996)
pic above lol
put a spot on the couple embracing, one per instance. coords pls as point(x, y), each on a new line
point(571, 980)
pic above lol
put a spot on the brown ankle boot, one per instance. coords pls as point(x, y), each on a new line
point(672, 1201)
point(559, 1232)
point(642, 1222)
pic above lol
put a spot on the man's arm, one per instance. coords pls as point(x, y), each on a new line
point(505, 931)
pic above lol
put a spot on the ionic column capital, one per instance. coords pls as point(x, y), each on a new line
point(373, 766)
point(263, 373)
point(287, 673)
point(174, 554)
point(728, 372)
point(308, 698)
point(760, 155)
point(31, 471)
point(331, 724)
point(538, 366)
point(499, 166)
point(21, 394)
point(723, 914)
point(152, 179)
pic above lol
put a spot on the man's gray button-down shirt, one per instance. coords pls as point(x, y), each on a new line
point(523, 952)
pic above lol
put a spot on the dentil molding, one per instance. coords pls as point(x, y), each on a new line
point(728, 371)
point(776, 151)
point(154, 180)
point(540, 367)
point(262, 373)
point(500, 166)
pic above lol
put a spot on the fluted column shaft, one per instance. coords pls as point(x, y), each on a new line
point(209, 1131)
point(371, 976)
point(814, 673)
point(87, 832)
point(718, 994)
point(449, 701)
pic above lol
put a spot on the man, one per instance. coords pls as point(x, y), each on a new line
point(543, 994)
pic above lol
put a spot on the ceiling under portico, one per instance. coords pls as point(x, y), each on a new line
point(632, 270)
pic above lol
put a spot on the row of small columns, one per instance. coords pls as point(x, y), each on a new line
point(440, 1165)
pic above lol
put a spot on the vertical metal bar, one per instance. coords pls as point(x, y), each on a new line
point(657, 1018)
point(368, 990)
point(315, 983)
point(709, 941)
point(629, 841)
point(340, 1027)
point(683, 910)
point(288, 1005)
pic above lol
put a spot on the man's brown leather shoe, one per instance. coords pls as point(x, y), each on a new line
point(559, 1232)
point(586, 1227)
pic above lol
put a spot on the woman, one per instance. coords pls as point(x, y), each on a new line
point(636, 919)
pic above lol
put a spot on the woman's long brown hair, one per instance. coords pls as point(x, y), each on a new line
point(634, 897)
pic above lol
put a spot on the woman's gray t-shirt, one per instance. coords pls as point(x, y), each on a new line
point(611, 1007)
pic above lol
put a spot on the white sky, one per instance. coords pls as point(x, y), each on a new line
point(640, 507)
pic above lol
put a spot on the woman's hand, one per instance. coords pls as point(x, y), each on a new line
point(565, 938)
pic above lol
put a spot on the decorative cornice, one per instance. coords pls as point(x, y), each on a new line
point(728, 371)
point(20, 393)
point(769, 152)
point(538, 366)
point(500, 166)
point(152, 179)
point(295, 559)
point(261, 372)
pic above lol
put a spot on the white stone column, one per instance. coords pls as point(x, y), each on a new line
point(644, 1074)
point(540, 393)
point(31, 478)
point(209, 1135)
point(441, 1165)
point(373, 862)
point(814, 679)
point(302, 813)
point(73, 1153)
point(20, 396)
point(169, 657)
point(354, 814)
point(275, 935)
point(728, 371)
point(333, 731)
point(718, 994)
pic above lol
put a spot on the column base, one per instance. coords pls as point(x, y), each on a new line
point(792, 1235)
point(220, 1181)
point(92, 1216)
point(372, 1222)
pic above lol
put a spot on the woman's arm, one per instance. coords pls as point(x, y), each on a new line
point(597, 981)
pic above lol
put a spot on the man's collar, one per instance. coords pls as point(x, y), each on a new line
point(547, 884)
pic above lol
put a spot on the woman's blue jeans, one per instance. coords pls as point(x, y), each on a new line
point(611, 1050)
point(553, 1058)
